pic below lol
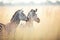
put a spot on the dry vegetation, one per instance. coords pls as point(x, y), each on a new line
point(47, 29)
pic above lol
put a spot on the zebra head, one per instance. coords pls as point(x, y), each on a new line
point(32, 15)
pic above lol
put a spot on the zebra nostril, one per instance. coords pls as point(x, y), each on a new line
point(38, 20)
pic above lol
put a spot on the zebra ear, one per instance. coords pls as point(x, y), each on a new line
point(22, 10)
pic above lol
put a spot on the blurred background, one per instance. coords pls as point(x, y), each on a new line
point(29, 2)
point(48, 12)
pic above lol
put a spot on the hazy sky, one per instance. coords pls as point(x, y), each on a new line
point(26, 1)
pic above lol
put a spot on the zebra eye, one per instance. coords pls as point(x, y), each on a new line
point(0, 28)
